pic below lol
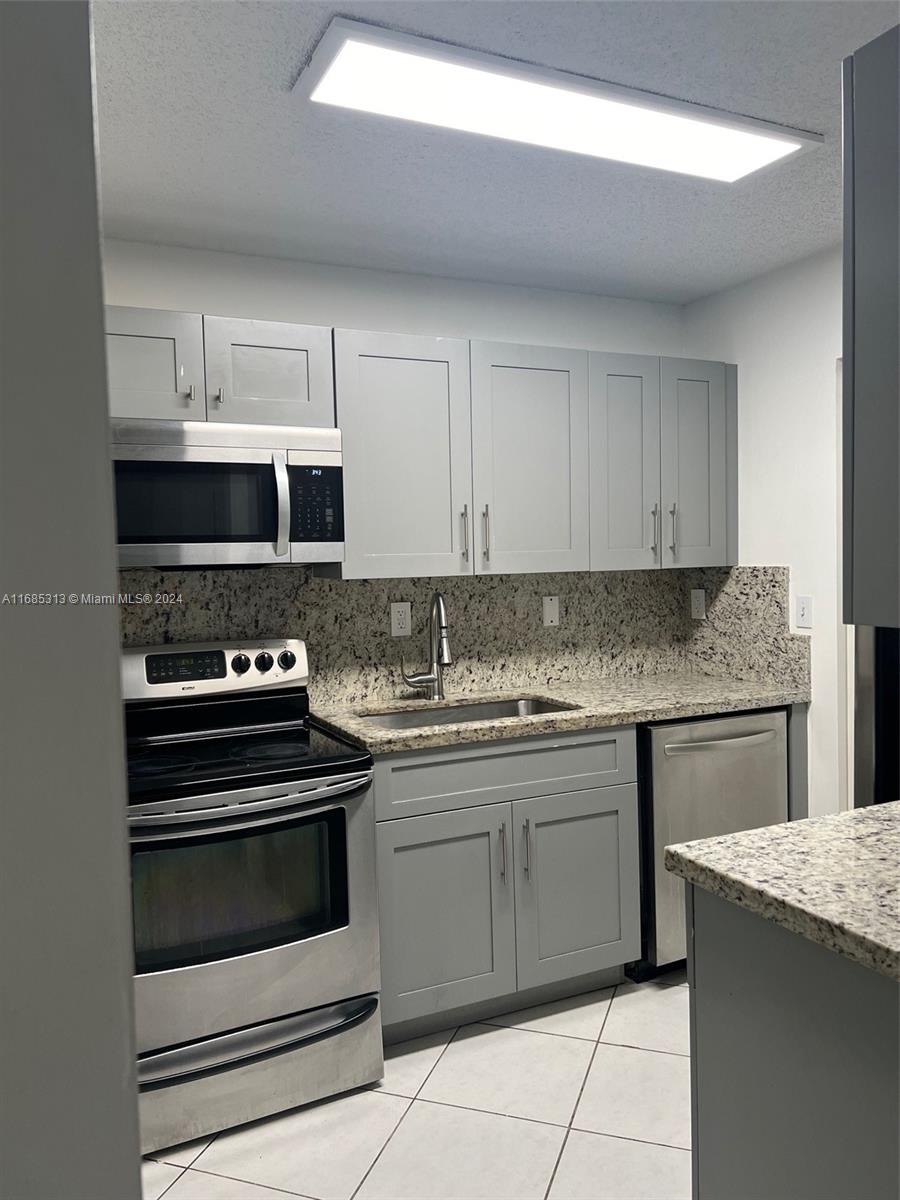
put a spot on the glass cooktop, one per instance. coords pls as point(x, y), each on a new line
point(166, 769)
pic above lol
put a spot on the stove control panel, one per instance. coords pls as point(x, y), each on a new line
point(157, 672)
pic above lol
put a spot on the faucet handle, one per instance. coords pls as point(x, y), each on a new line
point(420, 681)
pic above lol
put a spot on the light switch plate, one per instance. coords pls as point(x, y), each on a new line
point(551, 610)
point(804, 612)
point(401, 619)
point(698, 604)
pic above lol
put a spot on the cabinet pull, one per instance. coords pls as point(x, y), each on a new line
point(465, 521)
point(527, 829)
point(673, 512)
point(654, 516)
point(220, 396)
point(191, 394)
point(503, 852)
point(486, 519)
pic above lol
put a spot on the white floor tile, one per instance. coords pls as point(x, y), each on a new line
point(441, 1153)
point(182, 1155)
point(511, 1071)
point(637, 1094)
point(593, 1167)
point(651, 1015)
point(194, 1185)
point(156, 1177)
point(407, 1064)
point(322, 1150)
point(576, 1016)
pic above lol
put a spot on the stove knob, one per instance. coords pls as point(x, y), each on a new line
point(240, 664)
point(286, 659)
point(264, 661)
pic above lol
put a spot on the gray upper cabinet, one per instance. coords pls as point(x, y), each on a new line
point(530, 458)
point(448, 934)
point(694, 474)
point(403, 411)
point(155, 364)
point(624, 456)
point(268, 372)
point(577, 894)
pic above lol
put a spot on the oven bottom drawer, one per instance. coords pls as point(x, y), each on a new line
point(196, 1105)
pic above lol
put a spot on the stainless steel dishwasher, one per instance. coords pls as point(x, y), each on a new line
point(707, 777)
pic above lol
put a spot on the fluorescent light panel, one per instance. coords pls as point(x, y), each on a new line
point(417, 80)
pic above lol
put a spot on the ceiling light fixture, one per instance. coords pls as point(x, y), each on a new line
point(357, 66)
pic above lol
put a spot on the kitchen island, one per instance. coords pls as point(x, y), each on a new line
point(794, 966)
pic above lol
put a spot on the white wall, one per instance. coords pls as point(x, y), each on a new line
point(784, 332)
point(280, 290)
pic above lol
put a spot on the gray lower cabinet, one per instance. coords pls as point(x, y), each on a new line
point(535, 884)
point(577, 896)
point(448, 934)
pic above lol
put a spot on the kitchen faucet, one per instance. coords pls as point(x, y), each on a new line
point(432, 682)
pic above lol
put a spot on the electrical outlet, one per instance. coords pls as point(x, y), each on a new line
point(698, 604)
point(401, 619)
point(804, 612)
point(551, 610)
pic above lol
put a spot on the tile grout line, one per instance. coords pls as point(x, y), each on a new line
point(371, 1165)
point(236, 1179)
point(490, 1112)
point(620, 1137)
point(580, 1093)
point(412, 1100)
point(172, 1183)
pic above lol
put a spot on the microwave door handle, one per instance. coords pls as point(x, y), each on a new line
point(283, 494)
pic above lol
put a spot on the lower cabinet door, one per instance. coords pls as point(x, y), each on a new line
point(577, 893)
point(446, 908)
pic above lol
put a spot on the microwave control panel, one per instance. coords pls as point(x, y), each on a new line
point(317, 504)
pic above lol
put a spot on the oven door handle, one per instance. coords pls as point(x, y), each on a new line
point(244, 1045)
point(283, 492)
point(226, 818)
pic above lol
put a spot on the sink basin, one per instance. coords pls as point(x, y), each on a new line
point(455, 714)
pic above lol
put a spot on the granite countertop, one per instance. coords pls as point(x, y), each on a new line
point(613, 700)
point(834, 880)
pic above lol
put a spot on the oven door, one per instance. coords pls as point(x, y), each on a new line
point(262, 908)
point(201, 505)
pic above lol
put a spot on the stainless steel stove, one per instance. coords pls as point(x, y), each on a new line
point(255, 916)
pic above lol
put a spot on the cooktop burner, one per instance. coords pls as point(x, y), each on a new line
point(147, 763)
point(269, 750)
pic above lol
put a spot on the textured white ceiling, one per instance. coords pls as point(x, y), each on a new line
point(202, 142)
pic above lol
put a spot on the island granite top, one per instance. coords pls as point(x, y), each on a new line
point(834, 880)
point(612, 700)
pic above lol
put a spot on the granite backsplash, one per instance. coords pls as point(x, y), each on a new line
point(611, 623)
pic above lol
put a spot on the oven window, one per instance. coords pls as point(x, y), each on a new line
point(206, 898)
point(172, 502)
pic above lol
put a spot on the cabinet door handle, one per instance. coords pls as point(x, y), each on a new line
point(191, 394)
point(673, 512)
point(527, 830)
point(503, 852)
point(465, 521)
point(654, 517)
point(486, 519)
point(220, 396)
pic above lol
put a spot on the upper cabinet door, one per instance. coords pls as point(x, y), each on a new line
point(268, 373)
point(530, 458)
point(694, 463)
point(625, 501)
point(154, 361)
point(403, 409)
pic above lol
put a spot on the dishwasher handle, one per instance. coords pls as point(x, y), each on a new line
point(731, 743)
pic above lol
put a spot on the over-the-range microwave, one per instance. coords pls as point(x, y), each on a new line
point(204, 494)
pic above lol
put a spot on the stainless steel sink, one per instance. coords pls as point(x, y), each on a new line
point(455, 714)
